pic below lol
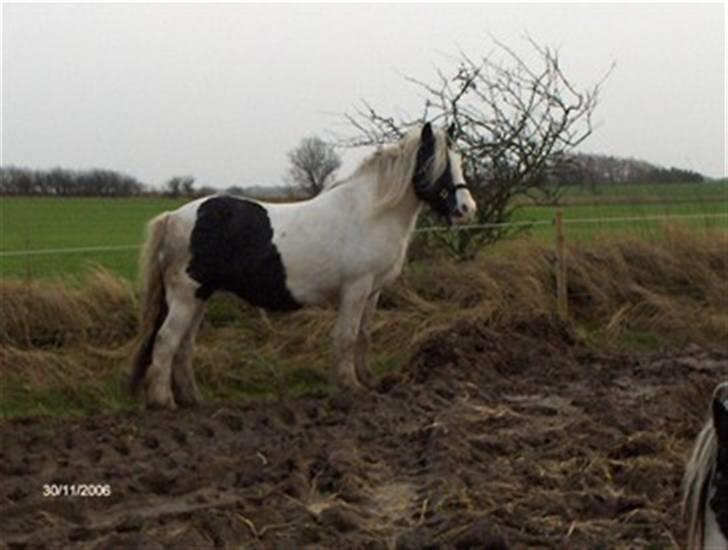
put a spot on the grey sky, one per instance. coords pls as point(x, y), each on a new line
point(223, 91)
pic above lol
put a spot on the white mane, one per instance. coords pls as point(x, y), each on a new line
point(698, 473)
point(394, 166)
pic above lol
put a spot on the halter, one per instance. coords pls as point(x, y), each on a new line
point(445, 191)
point(440, 194)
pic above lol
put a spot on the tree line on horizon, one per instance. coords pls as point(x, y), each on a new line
point(595, 170)
point(579, 169)
point(64, 182)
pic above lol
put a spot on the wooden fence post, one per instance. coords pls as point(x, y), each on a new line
point(28, 268)
point(562, 303)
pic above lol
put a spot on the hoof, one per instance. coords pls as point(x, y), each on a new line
point(188, 403)
point(161, 406)
point(157, 398)
point(366, 379)
point(349, 383)
point(186, 398)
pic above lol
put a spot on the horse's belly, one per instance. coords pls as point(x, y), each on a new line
point(313, 288)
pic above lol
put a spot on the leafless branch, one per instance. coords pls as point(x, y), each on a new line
point(512, 120)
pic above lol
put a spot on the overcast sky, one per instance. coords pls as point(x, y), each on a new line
point(223, 91)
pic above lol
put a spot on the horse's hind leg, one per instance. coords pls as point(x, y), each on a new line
point(183, 306)
point(186, 393)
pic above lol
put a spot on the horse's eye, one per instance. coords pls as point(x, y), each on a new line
point(443, 193)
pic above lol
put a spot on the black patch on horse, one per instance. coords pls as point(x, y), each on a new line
point(232, 249)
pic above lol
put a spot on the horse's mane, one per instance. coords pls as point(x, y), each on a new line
point(698, 473)
point(394, 166)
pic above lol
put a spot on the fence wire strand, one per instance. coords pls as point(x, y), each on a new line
point(433, 229)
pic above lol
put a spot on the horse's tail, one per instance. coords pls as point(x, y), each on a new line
point(154, 305)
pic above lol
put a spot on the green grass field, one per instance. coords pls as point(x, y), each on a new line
point(584, 222)
point(36, 224)
point(44, 223)
point(713, 190)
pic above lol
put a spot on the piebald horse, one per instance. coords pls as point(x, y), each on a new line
point(341, 246)
point(705, 495)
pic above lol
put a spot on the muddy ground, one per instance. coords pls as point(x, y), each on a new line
point(515, 439)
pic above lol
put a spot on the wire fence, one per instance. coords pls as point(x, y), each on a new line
point(533, 223)
point(76, 250)
point(433, 229)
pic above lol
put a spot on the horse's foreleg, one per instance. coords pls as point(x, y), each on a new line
point(184, 387)
point(352, 303)
point(361, 356)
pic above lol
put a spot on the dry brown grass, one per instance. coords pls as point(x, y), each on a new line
point(46, 315)
point(674, 288)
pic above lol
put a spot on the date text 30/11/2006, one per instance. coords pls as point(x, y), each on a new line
point(80, 490)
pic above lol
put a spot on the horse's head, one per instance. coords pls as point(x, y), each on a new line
point(438, 178)
point(717, 528)
point(705, 498)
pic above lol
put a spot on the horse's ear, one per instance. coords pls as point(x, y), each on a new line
point(427, 136)
point(451, 131)
point(720, 413)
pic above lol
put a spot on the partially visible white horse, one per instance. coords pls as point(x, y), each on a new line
point(342, 246)
point(705, 497)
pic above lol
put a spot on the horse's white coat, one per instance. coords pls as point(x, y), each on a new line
point(322, 253)
point(341, 246)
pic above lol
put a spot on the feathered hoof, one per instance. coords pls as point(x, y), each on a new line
point(157, 406)
point(159, 399)
point(348, 381)
point(187, 402)
point(366, 379)
point(185, 395)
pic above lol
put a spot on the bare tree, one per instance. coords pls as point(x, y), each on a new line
point(312, 163)
point(180, 185)
point(512, 120)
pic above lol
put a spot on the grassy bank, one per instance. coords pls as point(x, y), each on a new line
point(64, 348)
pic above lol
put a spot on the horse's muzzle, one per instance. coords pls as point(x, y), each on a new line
point(464, 213)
